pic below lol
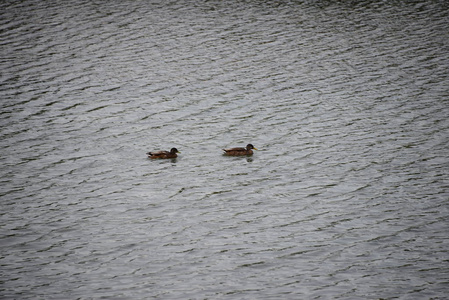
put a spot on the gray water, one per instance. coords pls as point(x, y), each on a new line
point(347, 102)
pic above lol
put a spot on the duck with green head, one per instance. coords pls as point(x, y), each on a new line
point(240, 151)
point(164, 154)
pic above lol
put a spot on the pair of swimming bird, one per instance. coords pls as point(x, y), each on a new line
point(231, 152)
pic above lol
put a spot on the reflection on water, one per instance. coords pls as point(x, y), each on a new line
point(346, 102)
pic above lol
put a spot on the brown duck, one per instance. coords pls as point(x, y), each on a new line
point(240, 151)
point(164, 154)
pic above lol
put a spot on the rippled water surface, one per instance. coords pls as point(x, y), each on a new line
point(347, 102)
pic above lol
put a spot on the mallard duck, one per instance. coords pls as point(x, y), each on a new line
point(164, 154)
point(240, 151)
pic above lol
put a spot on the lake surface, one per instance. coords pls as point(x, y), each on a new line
point(346, 198)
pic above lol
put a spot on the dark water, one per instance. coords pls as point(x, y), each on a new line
point(347, 197)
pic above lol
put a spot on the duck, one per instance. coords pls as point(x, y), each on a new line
point(240, 151)
point(164, 154)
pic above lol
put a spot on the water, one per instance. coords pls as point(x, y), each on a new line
point(347, 197)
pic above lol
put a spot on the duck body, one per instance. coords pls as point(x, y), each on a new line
point(164, 154)
point(240, 151)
